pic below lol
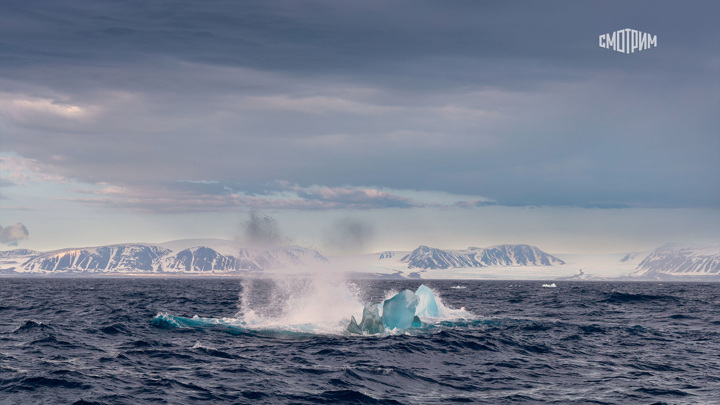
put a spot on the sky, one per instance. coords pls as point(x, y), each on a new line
point(359, 126)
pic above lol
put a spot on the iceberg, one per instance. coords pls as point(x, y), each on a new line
point(371, 321)
point(399, 311)
point(402, 311)
point(353, 327)
point(426, 302)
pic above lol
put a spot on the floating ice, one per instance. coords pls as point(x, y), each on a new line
point(353, 327)
point(371, 321)
point(402, 311)
point(549, 285)
point(399, 311)
point(426, 302)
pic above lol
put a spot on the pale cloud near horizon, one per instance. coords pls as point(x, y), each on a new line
point(16, 170)
point(209, 197)
point(24, 108)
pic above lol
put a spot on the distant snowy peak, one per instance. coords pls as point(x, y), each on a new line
point(224, 256)
point(681, 261)
point(16, 253)
point(13, 259)
point(202, 258)
point(110, 258)
point(518, 255)
point(425, 257)
point(222, 246)
point(432, 258)
point(630, 257)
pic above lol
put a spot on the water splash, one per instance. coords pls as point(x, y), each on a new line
point(321, 304)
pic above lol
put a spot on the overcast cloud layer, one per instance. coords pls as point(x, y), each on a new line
point(517, 104)
point(189, 106)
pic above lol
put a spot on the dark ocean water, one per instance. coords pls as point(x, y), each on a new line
point(80, 340)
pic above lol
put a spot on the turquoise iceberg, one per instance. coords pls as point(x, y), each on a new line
point(402, 311)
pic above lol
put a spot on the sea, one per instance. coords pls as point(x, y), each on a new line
point(172, 340)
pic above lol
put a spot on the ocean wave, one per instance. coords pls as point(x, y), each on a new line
point(622, 298)
point(31, 325)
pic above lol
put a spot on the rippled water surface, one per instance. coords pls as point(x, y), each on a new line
point(79, 340)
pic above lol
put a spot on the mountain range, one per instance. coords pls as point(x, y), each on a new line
point(502, 255)
point(215, 256)
point(681, 261)
point(186, 256)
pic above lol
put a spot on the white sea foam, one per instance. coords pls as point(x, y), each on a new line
point(446, 313)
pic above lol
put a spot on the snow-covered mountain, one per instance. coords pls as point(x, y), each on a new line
point(12, 259)
point(502, 255)
point(387, 255)
point(16, 253)
point(207, 256)
point(138, 257)
point(633, 256)
point(673, 260)
point(185, 256)
point(203, 258)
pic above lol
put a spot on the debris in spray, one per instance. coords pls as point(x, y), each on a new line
point(12, 234)
point(262, 230)
point(350, 235)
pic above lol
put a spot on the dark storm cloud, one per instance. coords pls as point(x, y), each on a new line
point(509, 100)
point(376, 38)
